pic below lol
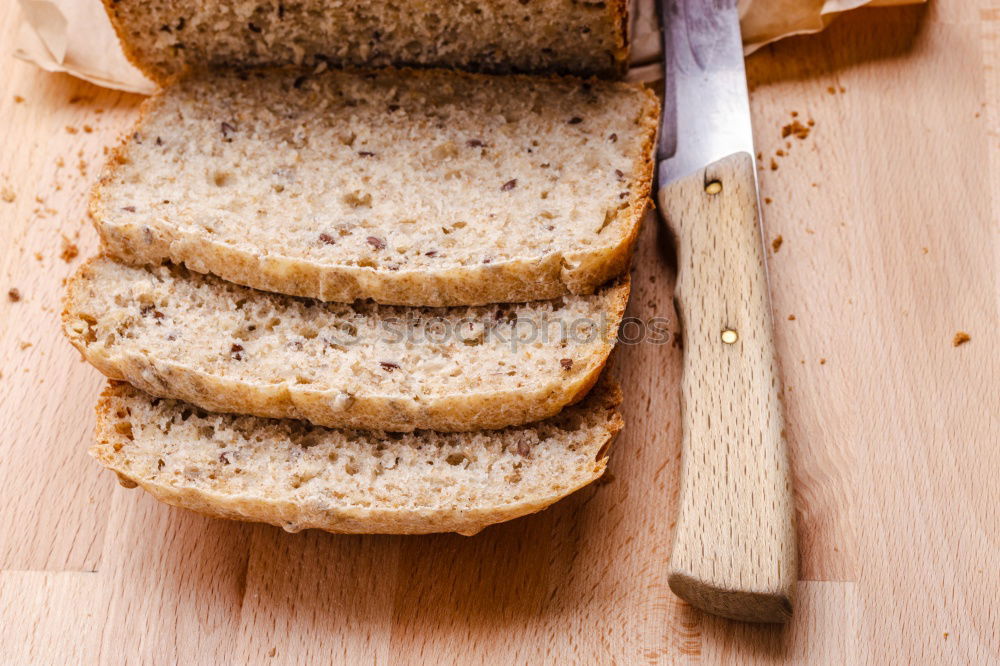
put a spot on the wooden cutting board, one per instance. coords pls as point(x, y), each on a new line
point(882, 219)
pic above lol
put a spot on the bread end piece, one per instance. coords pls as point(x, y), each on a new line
point(163, 39)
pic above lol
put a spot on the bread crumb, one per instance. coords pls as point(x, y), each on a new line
point(924, 250)
point(776, 243)
point(8, 195)
point(18, 99)
point(960, 339)
point(946, 635)
point(794, 114)
point(71, 129)
point(796, 129)
point(69, 250)
point(24, 345)
point(60, 162)
point(843, 89)
point(88, 129)
point(774, 165)
point(767, 200)
point(38, 256)
point(779, 152)
point(831, 90)
point(791, 317)
point(14, 294)
point(822, 361)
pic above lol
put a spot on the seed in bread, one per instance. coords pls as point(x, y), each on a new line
point(429, 188)
point(228, 348)
point(297, 476)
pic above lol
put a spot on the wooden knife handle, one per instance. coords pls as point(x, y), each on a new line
point(734, 551)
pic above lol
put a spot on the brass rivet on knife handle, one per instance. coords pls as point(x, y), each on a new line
point(734, 551)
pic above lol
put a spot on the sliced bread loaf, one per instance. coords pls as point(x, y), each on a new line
point(298, 476)
point(585, 37)
point(407, 187)
point(228, 348)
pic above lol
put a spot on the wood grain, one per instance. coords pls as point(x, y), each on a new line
point(734, 551)
point(892, 430)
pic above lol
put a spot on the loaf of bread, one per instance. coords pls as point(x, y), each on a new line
point(297, 476)
point(586, 37)
point(429, 187)
point(228, 348)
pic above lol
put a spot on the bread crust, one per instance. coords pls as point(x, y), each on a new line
point(539, 277)
point(487, 410)
point(345, 519)
point(616, 11)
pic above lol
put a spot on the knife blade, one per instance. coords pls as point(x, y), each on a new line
point(734, 551)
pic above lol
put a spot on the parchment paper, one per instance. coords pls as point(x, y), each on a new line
point(75, 36)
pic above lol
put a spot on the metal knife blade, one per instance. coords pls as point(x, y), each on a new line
point(706, 110)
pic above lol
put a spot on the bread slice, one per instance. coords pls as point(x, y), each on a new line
point(428, 188)
point(585, 37)
point(297, 476)
point(227, 348)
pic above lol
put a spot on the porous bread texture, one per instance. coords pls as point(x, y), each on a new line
point(584, 37)
point(409, 187)
point(227, 348)
point(297, 476)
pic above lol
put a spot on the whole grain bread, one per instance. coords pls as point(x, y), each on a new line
point(227, 348)
point(409, 187)
point(585, 37)
point(297, 476)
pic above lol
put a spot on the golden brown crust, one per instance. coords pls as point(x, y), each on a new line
point(345, 519)
point(454, 413)
point(532, 278)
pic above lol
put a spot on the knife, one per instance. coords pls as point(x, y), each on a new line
point(734, 550)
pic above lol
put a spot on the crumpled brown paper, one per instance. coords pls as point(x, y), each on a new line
point(764, 21)
point(75, 36)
